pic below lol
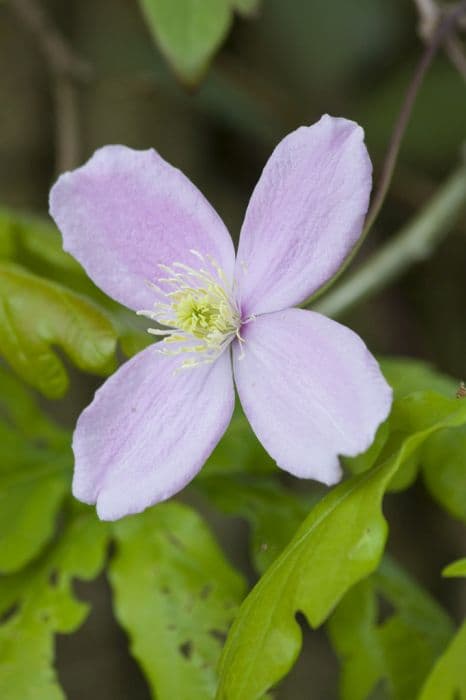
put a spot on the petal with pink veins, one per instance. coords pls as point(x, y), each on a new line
point(149, 431)
point(305, 215)
point(125, 212)
point(311, 391)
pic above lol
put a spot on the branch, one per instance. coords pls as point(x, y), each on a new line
point(429, 17)
point(413, 244)
point(441, 34)
point(58, 53)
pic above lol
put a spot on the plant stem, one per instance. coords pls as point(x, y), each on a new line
point(441, 34)
point(412, 244)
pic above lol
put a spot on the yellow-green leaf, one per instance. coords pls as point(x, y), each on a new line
point(36, 315)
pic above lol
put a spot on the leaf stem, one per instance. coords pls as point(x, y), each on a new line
point(412, 244)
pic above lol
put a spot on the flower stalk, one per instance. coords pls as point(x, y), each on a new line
point(412, 244)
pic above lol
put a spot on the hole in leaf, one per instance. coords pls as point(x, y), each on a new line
point(174, 540)
point(186, 649)
point(53, 577)
point(206, 591)
point(219, 635)
point(386, 610)
point(9, 613)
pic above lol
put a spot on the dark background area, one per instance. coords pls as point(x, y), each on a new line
point(296, 60)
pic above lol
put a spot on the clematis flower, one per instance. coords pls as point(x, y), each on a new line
point(148, 238)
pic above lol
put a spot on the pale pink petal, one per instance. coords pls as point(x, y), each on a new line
point(125, 212)
point(305, 215)
point(311, 391)
point(149, 431)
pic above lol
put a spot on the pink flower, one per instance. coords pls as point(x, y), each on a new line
point(309, 386)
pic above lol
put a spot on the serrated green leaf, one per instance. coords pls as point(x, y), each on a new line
point(36, 314)
point(401, 649)
point(35, 466)
point(188, 32)
point(444, 470)
point(273, 511)
point(174, 591)
point(337, 545)
point(38, 602)
point(456, 568)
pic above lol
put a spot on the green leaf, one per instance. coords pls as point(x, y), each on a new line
point(188, 32)
point(339, 543)
point(175, 594)
point(246, 7)
point(36, 314)
point(38, 602)
point(35, 464)
point(34, 242)
point(457, 568)
point(447, 680)
point(399, 650)
point(444, 470)
point(364, 461)
point(238, 451)
point(273, 512)
point(406, 376)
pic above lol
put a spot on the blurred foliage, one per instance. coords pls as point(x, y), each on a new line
point(457, 568)
point(189, 32)
point(273, 511)
point(448, 679)
point(35, 464)
point(38, 602)
point(36, 314)
point(401, 648)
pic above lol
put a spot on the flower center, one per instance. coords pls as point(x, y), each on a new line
point(197, 307)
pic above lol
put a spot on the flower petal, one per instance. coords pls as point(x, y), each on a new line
point(305, 215)
point(311, 391)
point(149, 431)
point(125, 212)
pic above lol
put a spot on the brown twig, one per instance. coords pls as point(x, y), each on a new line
point(455, 52)
point(67, 71)
point(441, 33)
point(430, 15)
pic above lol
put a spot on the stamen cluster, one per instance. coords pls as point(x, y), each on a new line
point(198, 309)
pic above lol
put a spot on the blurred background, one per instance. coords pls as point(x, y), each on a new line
point(285, 66)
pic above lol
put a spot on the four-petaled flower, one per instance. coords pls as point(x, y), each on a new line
point(149, 239)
